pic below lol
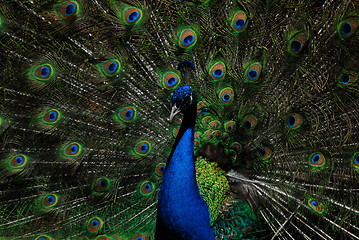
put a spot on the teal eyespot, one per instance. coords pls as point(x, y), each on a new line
point(347, 27)
point(252, 72)
point(132, 15)
point(69, 9)
point(226, 95)
point(239, 22)
point(187, 38)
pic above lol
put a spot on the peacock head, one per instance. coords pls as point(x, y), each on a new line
point(183, 100)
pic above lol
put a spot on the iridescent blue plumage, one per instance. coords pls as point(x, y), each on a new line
point(182, 213)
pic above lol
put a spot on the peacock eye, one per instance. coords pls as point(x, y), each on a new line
point(316, 206)
point(230, 126)
point(143, 148)
point(43, 237)
point(140, 237)
point(226, 95)
point(239, 22)
point(160, 169)
point(187, 38)
point(217, 71)
point(146, 188)
point(111, 67)
point(73, 149)
point(249, 122)
point(171, 80)
point(236, 146)
point(50, 200)
point(296, 43)
point(126, 114)
point(51, 116)
point(69, 9)
point(214, 124)
point(317, 161)
point(103, 237)
point(317, 158)
point(197, 135)
point(252, 72)
point(294, 121)
point(43, 72)
point(18, 162)
point(206, 120)
point(94, 224)
point(132, 15)
point(347, 27)
point(347, 79)
point(355, 161)
point(102, 184)
point(264, 153)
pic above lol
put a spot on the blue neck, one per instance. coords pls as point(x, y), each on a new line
point(182, 213)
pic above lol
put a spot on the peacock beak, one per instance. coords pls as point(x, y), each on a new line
point(174, 111)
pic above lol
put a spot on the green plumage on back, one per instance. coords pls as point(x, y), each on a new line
point(85, 90)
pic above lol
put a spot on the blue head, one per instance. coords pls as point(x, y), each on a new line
point(183, 100)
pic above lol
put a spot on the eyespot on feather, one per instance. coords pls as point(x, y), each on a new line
point(252, 72)
point(51, 116)
point(143, 148)
point(206, 120)
point(43, 237)
point(171, 80)
point(226, 95)
point(103, 237)
point(160, 169)
point(317, 161)
point(146, 188)
point(132, 15)
point(69, 9)
point(230, 126)
point(126, 114)
point(141, 237)
point(316, 206)
point(294, 121)
point(214, 124)
point(347, 27)
point(202, 108)
point(73, 149)
point(94, 224)
point(42, 73)
point(17, 162)
point(217, 133)
point(239, 22)
point(208, 134)
point(197, 135)
point(264, 153)
point(236, 146)
point(355, 161)
point(217, 71)
point(347, 79)
point(296, 43)
point(187, 38)
point(249, 122)
point(49, 200)
point(111, 67)
point(102, 184)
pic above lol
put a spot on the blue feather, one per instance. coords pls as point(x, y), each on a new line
point(182, 213)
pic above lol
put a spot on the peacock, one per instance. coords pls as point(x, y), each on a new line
point(179, 119)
